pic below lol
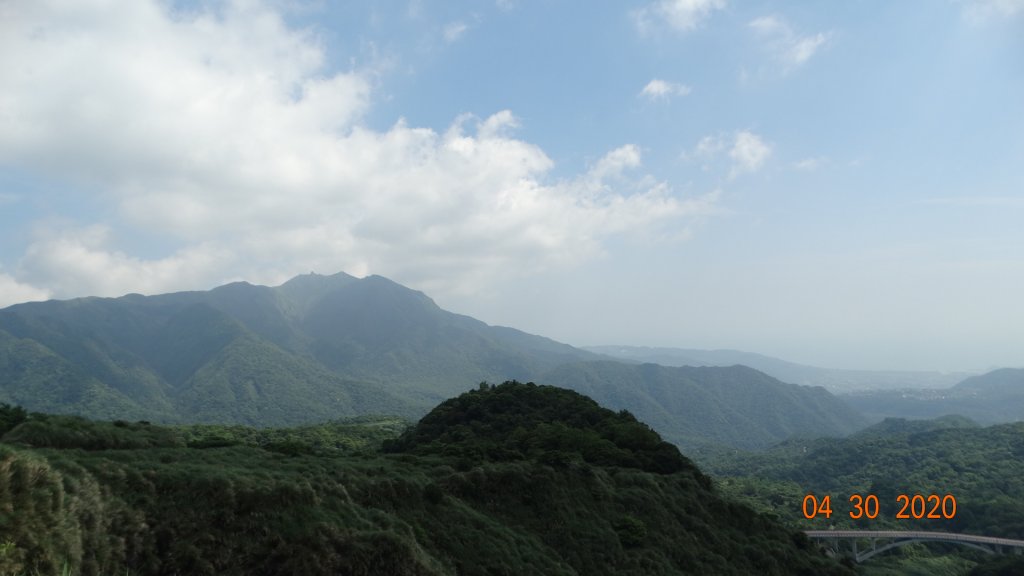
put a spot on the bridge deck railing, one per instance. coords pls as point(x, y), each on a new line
point(899, 538)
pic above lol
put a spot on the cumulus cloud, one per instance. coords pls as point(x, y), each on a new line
point(707, 151)
point(658, 89)
point(85, 260)
point(225, 131)
point(745, 152)
point(709, 146)
point(615, 163)
point(680, 15)
point(749, 152)
point(15, 292)
point(790, 49)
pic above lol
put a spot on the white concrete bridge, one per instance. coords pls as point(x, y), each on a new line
point(890, 539)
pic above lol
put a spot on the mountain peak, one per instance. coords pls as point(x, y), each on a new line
point(303, 292)
point(312, 279)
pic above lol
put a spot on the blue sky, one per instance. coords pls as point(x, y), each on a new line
point(837, 184)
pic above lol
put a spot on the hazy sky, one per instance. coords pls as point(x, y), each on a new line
point(835, 183)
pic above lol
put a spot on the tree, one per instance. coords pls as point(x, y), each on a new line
point(11, 416)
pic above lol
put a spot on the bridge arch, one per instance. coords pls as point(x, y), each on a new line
point(867, 554)
point(897, 538)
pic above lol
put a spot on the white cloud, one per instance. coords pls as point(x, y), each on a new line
point(749, 153)
point(680, 15)
point(805, 47)
point(746, 152)
point(615, 163)
point(226, 133)
point(980, 11)
point(15, 292)
point(810, 163)
point(769, 25)
point(707, 151)
point(84, 260)
point(790, 49)
point(454, 30)
point(658, 89)
point(709, 146)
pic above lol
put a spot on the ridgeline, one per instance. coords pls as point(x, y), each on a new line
point(319, 348)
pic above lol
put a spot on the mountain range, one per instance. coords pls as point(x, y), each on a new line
point(991, 398)
point(322, 347)
point(836, 380)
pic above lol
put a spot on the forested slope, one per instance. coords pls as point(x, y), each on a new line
point(982, 468)
point(513, 479)
point(696, 407)
point(323, 347)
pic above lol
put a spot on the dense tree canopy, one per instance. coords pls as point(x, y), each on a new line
point(983, 468)
point(534, 480)
point(514, 421)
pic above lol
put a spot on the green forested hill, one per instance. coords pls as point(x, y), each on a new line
point(314, 348)
point(982, 468)
point(735, 406)
point(197, 365)
point(378, 330)
point(322, 347)
point(512, 479)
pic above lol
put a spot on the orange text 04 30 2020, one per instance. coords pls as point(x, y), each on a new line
point(916, 506)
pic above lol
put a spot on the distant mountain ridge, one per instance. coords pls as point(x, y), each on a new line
point(322, 347)
point(734, 405)
point(834, 379)
point(991, 398)
point(1002, 382)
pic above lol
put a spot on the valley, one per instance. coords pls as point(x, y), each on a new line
point(990, 398)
